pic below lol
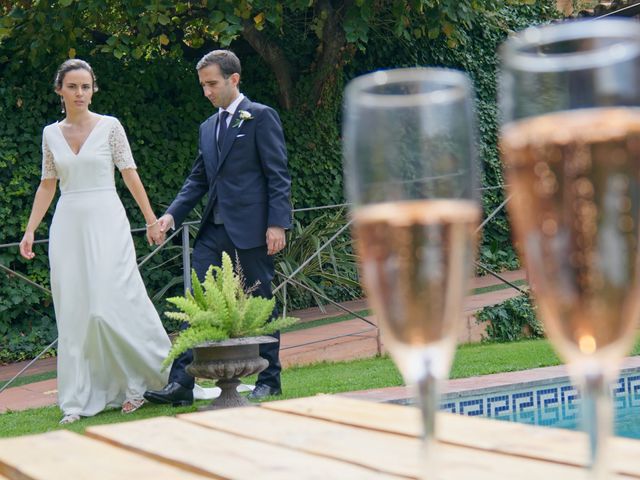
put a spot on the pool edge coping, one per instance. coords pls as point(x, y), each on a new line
point(484, 383)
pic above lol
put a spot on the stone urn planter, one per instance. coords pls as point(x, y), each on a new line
point(227, 324)
point(228, 361)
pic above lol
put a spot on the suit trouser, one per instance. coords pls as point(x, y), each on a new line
point(257, 266)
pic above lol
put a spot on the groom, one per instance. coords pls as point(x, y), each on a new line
point(242, 168)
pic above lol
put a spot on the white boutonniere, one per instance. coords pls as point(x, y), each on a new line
point(242, 116)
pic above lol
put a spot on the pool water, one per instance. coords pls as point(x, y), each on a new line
point(553, 403)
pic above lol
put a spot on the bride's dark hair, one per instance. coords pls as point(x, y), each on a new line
point(73, 64)
point(66, 67)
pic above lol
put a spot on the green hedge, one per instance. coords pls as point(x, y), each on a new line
point(160, 104)
point(513, 319)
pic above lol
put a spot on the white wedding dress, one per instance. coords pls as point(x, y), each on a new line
point(111, 341)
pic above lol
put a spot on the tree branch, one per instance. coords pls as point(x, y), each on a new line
point(275, 58)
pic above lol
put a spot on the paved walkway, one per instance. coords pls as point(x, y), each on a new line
point(344, 340)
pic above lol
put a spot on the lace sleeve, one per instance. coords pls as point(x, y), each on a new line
point(120, 149)
point(48, 165)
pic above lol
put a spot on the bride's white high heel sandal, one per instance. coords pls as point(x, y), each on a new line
point(67, 419)
point(130, 406)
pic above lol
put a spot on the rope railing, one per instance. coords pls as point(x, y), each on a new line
point(314, 255)
point(332, 302)
point(493, 214)
point(26, 367)
point(25, 279)
point(344, 309)
point(627, 10)
point(184, 229)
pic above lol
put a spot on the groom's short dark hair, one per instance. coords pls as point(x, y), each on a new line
point(226, 60)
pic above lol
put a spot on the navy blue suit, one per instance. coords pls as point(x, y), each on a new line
point(247, 182)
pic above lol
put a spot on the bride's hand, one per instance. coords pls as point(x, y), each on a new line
point(26, 245)
point(155, 234)
point(159, 238)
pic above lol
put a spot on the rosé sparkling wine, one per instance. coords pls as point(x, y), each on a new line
point(575, 180)
point(415, 260)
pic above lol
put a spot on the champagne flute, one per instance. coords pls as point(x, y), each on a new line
point(409, 150)
point(571, 147)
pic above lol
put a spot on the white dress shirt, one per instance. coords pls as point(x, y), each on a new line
point(233, 106)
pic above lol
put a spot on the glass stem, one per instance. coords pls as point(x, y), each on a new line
point(597, 421)
point(428, 394)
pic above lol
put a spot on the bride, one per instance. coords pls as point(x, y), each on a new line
point(111, 341)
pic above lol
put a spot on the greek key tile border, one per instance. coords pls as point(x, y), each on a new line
point(551, 403)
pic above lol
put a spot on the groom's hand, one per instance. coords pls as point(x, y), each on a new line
point(276, 240)
point(154, 235)
point(166, 222)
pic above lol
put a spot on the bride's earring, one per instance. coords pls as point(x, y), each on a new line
point(62, 105)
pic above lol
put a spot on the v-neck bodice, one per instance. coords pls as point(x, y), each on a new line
point(87, 138)
point(92, 167)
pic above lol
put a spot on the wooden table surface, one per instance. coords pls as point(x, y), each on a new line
point(323, 437)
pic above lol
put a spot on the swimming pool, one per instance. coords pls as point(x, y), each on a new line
point(553, 402)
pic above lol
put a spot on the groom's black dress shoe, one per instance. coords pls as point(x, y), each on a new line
point(262, 391)
point(173, 393)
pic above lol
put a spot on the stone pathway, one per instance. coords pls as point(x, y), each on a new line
point(344, 340)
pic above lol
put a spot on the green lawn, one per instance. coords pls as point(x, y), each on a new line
point(471, 360)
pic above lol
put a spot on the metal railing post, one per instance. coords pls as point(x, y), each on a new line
point(284, 301)
point(186, 259)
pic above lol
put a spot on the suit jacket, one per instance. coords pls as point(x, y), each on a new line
point(248, 178)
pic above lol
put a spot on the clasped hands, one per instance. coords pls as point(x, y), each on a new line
point(157, 231)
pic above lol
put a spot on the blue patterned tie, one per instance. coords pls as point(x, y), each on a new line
point(222, 131)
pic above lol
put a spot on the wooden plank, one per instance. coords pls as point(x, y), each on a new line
point(552, 444)
point(393, 454)
point(62, 455)
point(224, 455)
point(385, 417)
point(380, 451)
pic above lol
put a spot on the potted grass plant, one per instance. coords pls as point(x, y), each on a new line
point(227, 326)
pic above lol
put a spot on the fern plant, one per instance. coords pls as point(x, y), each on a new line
point(221, 307)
